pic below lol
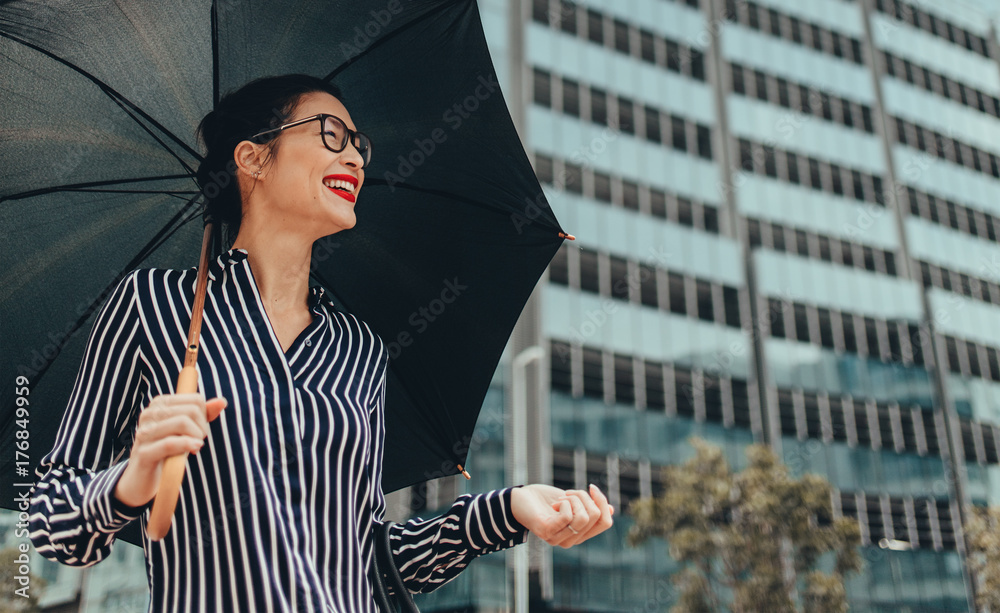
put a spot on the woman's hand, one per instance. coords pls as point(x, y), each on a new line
point(172, 424)
point(561, 517)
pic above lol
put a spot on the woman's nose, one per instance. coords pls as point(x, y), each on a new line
point(352, 157)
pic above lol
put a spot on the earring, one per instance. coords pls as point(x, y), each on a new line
point(256, 173)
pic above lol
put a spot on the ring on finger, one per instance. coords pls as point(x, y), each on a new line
point(571, 529)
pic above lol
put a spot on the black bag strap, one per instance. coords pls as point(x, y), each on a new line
point(390, 593)
point(382, 600)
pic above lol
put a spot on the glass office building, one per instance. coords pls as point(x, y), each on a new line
point(787, 215)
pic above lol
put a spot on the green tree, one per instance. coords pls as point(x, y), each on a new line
point(749, 541)
point(982, 539)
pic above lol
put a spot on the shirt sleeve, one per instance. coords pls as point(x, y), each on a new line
point(74, 517)
point(429, 553)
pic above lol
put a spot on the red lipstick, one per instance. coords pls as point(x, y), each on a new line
point(348, 178)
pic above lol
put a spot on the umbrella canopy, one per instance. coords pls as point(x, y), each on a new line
point(99, 107)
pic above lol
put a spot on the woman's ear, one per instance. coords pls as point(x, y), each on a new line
point(250, 159)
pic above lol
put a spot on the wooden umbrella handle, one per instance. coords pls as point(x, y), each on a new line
point(172, 474)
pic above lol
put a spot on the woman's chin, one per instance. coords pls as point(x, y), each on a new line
point(352, 220)
point(344, 221)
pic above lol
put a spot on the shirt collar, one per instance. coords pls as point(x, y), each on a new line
point(228, 259)
point(224, 261)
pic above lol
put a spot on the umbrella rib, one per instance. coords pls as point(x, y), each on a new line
point(389, 37)
point(107, 89)
point(82, 186)
point(172, 192)
point(166, 232)
point(142, 125)
point(180, 195)
point(215, 54)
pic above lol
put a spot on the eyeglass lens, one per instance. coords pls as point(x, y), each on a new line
point(335, 136)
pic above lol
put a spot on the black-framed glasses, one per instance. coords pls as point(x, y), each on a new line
point(335, 134)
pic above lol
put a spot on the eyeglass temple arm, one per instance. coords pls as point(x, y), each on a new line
point(288, 125)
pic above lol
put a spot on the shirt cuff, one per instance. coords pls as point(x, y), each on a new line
point(100, 507)
point(492, 526)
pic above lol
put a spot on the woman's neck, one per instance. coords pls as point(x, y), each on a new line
point(280, 265)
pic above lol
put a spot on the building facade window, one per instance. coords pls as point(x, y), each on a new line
point(942, 85)
point(811, 172)
point(945, 147)
point(616, 35)
point(917, 17)
point(615, 191)
point(767, 21)
point(640, 283)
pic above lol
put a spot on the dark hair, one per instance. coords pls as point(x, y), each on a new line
point(260, 105)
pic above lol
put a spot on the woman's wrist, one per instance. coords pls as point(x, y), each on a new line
point(124, 495)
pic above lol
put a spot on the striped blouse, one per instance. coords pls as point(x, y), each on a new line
point(277, 510)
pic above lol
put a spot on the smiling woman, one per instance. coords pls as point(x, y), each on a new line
point(238, 162)
point(282, 496)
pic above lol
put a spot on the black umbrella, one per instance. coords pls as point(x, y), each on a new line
point(97, 155)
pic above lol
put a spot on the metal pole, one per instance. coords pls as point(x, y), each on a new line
point(519, 448)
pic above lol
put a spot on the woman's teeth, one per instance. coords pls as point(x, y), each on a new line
point(341, 185)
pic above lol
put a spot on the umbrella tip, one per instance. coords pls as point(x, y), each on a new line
point(567, 236)
point(464, 472)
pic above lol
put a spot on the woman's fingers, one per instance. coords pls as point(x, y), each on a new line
point(586, 514)
point(564, 530)
point(555, 525)
point(192, 405)
point(176, 425)
point(214, 407)
point(603, 520)
point(156, 452)
point(174, 418)
point(593, 512)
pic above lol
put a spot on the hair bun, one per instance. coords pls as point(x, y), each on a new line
point(209, 130)
point(222, 129)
